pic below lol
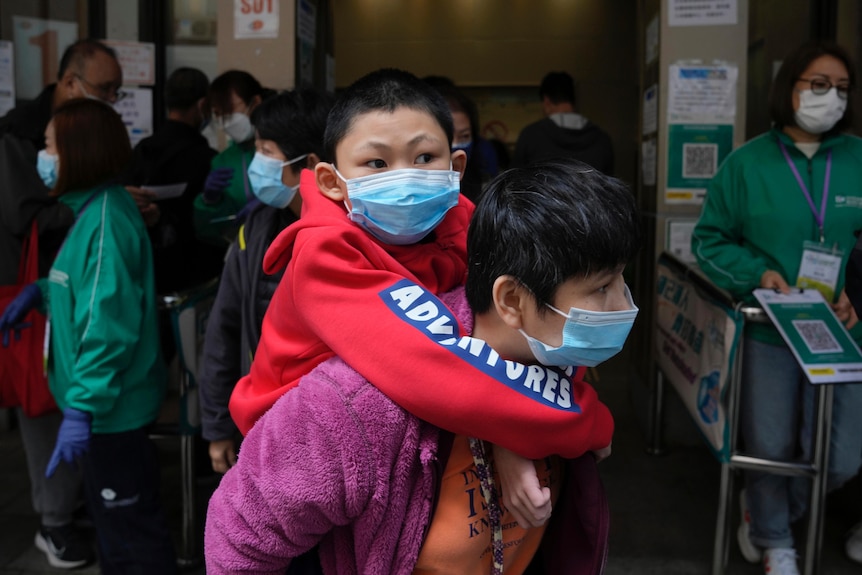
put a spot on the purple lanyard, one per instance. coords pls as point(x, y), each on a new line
point(818, 217)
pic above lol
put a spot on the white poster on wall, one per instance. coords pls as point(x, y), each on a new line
point(39, 45)
point(255, 19)
point(678, 238)
point(702, 12)
point(651, 39)
point(650, 110)
point(648, 162)
point(138, 61)
point(7, 77)
point(136, 109)
point(702, 94)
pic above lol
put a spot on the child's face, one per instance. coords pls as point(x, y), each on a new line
point(601, 291)
point(380, 141)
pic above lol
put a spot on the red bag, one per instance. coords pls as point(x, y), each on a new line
point(23, 380)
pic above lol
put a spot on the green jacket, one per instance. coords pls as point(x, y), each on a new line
point(100, 296)
point(756, 216)
point(214, 223)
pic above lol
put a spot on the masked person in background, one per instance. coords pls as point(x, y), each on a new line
point(233, 96)
point(781, 212)
point(289, 138)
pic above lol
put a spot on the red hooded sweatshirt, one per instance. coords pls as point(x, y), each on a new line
point(372, 304)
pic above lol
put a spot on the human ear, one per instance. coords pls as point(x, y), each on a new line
point(328, 181)
point(459, 162)
point(68, 85)
point(510, 299)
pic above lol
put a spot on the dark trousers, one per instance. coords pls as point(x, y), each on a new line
point(121, 485)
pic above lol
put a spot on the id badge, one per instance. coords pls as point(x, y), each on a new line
point(819, 268)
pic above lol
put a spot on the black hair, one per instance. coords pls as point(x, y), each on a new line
point(781, 94)
point(79, 52)
point(184, 88)
point(559, 87)
point(295, 121)
point(545, 224)
point(383, 90)
point(239, 82)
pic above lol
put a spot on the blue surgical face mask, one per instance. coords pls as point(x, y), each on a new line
point(401, 207)
point(264, 175)
point(589, 337)
point(48, 165)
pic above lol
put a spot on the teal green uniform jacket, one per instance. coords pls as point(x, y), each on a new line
point(100, 295)
point(213, 222)
point(756, 216)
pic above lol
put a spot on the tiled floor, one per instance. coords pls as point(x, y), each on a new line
point(663, 508)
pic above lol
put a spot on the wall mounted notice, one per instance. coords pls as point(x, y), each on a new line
point(138, 61)
point(136, 110)
point(678, 239)
point(255, 19)
point(651, 40)
point(701, 112)
point(38, 47)
point(702, 12)
point(694, 152)
point(648, 162)
point(650, 110)
point(7, 77)
point(702, 94)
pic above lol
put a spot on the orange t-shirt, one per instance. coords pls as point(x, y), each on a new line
point(459, 539)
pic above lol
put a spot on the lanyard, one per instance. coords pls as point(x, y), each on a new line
point(818, 217)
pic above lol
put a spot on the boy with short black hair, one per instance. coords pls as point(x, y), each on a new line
point(335, 462)
point(388, 209)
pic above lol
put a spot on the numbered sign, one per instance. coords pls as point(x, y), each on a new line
point(255, 19)
point(38, 47)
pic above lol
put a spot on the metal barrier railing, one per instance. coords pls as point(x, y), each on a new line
point(815, 469)
point(188, 311)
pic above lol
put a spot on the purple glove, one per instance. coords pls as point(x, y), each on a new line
point(30, 297)
point(215, 184)
point(73, 439)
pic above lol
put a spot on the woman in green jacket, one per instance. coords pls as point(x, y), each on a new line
point(233, 96)
point(791, 192)
point(105, 367)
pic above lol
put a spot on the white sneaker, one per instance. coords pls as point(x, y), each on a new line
point(748, 549)
point(853, 545)
point(780, 561)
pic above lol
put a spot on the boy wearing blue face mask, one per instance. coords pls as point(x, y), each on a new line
point(386, 208)
point(288, 138)
point(336, 463)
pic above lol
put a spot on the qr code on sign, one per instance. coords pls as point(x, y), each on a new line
point(699, 160)
point(817, 336)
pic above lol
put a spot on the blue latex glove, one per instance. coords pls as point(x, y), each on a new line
point(30, 297)
point(215, 184)
point(73, 439)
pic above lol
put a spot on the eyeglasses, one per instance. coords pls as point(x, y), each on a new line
point(819, 86)
point(112, 94)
